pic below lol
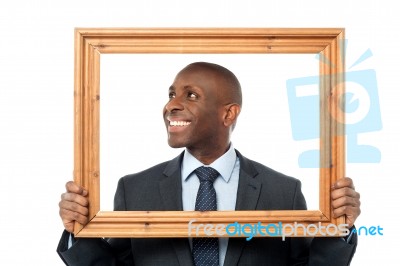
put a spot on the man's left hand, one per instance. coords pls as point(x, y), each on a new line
point(345, 200)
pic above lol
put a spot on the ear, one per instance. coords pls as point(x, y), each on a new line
point(232, 112)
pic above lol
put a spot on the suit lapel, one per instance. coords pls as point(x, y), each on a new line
point(249, 187)
point(171, 194)
point(171, 186)
point(247, 198)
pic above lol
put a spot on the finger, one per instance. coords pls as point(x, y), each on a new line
point(343, 182)
point(73, 207)
point(68, 217)
point(346, 201)
point(74, 188)
point(69, 226)
point(351, 214)
point(76, 198)
point(344, 192)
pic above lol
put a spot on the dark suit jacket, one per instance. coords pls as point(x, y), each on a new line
point(160, 187)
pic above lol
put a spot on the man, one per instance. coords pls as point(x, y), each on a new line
point(204, 104)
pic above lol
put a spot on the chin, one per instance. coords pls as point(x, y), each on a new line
point(175, 145)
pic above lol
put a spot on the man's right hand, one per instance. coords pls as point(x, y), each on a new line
point(74, 206)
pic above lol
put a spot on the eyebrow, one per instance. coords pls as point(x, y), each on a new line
point(187, 87)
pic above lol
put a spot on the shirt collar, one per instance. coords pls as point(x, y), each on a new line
point(224, 164)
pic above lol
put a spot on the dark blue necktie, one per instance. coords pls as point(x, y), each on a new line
point(205, 250)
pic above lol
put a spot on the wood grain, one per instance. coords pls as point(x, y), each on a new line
point(90, 43)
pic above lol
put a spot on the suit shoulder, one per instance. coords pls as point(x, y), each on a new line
point(154, 168)
point(152, 171)
point(254, 168)
point(272, 178)
point(279, 191)
point(272, 173)
point(155, 172)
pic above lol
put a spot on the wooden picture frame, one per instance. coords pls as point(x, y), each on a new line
point(91, 43)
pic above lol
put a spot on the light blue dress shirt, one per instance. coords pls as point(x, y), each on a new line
point(226, 186)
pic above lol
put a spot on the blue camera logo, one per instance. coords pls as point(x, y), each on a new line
point(361, 109)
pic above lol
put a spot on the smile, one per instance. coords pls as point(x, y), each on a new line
point(179, 123)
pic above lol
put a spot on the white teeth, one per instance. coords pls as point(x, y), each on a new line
point(179, 123)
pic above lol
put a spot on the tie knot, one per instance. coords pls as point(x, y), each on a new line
point(206, 174)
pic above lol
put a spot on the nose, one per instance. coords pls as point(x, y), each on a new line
point(174, 104)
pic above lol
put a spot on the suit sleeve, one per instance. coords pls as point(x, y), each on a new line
point(300, 246)
point(333, 251)
point(327, 251)
point(98, 251)
point(85, 251)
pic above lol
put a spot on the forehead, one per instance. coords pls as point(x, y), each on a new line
point(198, 77)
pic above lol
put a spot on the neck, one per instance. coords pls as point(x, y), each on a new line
point(208, 156)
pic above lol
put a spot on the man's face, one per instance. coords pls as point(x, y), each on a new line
point(194, 113)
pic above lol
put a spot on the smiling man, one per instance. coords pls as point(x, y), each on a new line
point(201, 112)
point(204, 103)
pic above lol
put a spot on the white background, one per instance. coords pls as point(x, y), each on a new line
point(36, 104)
point(134, 89)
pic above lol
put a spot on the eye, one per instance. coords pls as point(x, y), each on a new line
point(171, 95)
point(192, 95)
